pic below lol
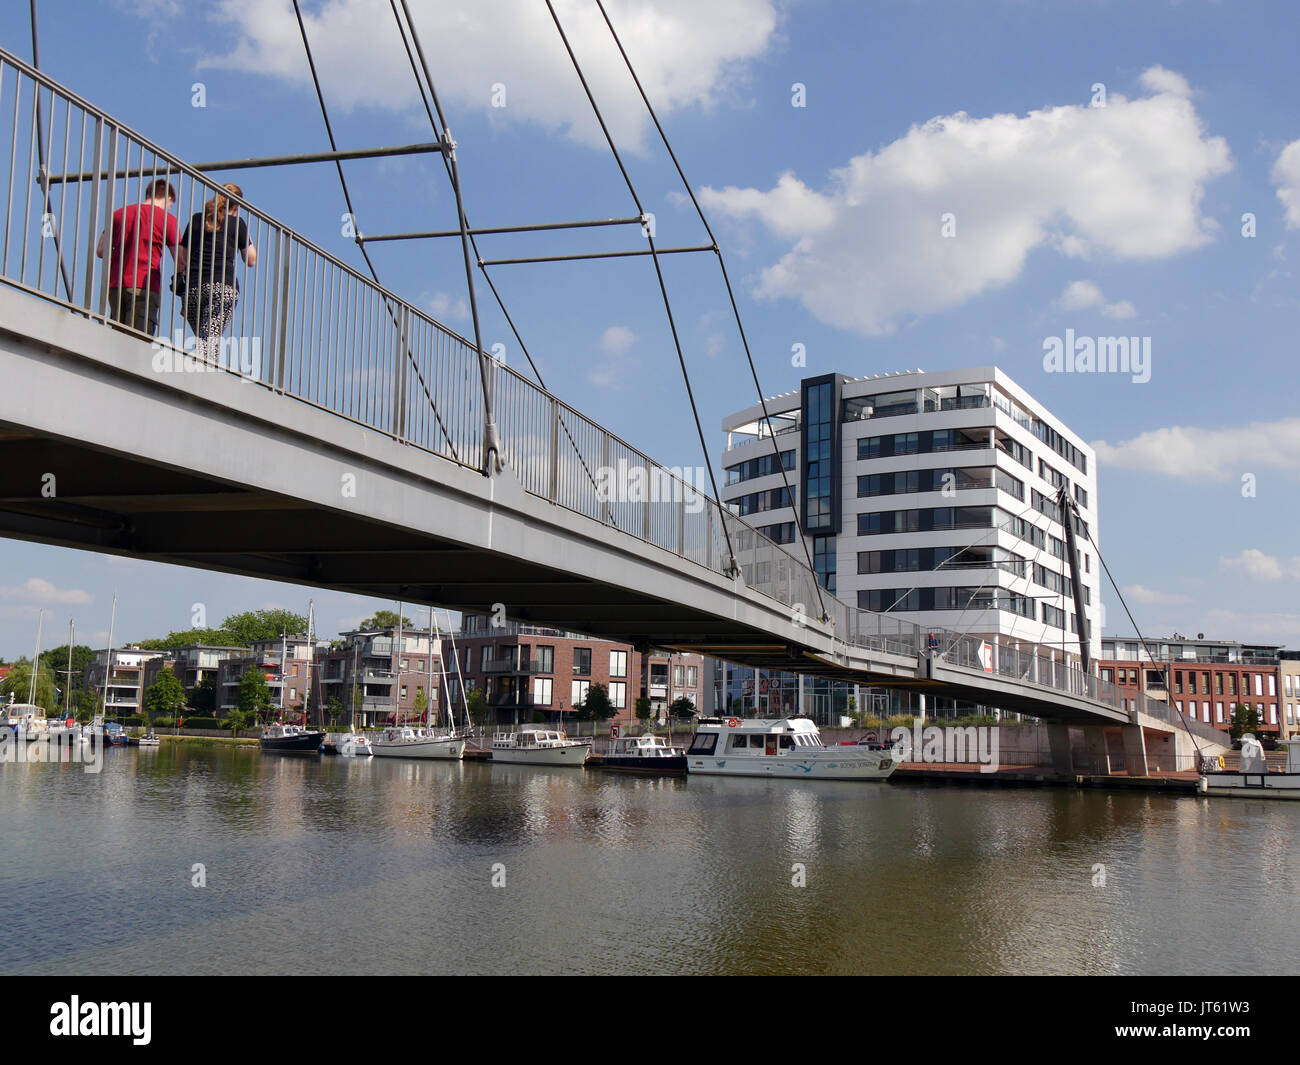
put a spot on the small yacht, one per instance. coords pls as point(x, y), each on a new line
point(27, 720)
point(349, 744)
point(788, 747)
point(149, 739)
point(538, 745)
point(291, 739)
point(645, 754)
point(402, 741)
point(1254, 780)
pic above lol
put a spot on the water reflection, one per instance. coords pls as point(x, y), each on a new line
point(609, 873)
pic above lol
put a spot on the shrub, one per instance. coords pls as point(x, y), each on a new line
point(201, 722)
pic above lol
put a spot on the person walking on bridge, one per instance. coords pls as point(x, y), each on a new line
point(214, 239)
point(136, 238)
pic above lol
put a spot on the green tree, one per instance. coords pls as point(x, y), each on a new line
point(333, 710)
point(165, 697)
point(254, 694)
point(476, 705)
point(253, 625)
point(421, 700)
point(356, 701)
point(597, 706)
point(189, 637)
point(238, 719)
point(643, 710)
point(203, 696)
point(18, 683)
point(1245, 718)
point(385, 619)
point(56, 661)
point(682, 708)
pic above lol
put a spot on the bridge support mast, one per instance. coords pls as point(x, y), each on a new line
point(1069, 514)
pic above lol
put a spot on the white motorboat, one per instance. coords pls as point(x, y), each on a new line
point(27, 720)
point(538, 745)
point(351, 744)
point(1254, 780)
point(787, 748)
point(644, 754)
point(402, 741)
point(149, 739)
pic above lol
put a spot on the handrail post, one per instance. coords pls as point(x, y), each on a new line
point(280, 326)
point(399, 384)
point(555, 451)
point(108, 221)
point(604, 461)
point(94, 217)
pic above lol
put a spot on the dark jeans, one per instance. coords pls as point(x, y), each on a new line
point(136, 307)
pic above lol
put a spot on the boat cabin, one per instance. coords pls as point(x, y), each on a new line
point(530, 736)
point(647, 746)
point(754, 737)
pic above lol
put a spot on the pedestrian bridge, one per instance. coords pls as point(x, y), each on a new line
point(342, 443)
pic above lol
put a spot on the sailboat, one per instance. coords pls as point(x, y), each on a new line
point(406, 741)
point(281, 738)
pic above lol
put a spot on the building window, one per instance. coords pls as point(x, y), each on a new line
point(403, 691)
point(542, 691)
point(679, 676)
point(579, 692)
point(1218, 712)
point(618, 694)
point(582, 661)
point(692, 676)
point(546, 660)
point(618, 663)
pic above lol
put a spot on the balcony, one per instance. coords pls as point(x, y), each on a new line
point(513, 665)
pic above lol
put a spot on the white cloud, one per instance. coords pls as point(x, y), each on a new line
point(1261, 567)
point(445, 307)
point(1123, 181)
point(40, 592)
point(1219, 454)
point(1085, 295)
point(687, 55)
point(1157, 79)
point(617, 339)
point(615, 342)
point(1286, 176)
point(1141, 594)
point(1267, 628)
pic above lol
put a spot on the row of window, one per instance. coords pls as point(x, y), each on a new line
point(782, 533)
point(1269, 716)
point(919, 559)
point(883, 599)
point(1059, 444)
point(760, 467)
point(756, 502)
point(954, 479)
point(1198, 681)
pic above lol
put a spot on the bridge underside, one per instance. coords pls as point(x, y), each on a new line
point(101, 452)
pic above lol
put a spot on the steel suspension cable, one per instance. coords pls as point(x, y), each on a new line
point(437, 131)
point(492, 443)
point(347, 200)
point(663, 288)
point(726, 279)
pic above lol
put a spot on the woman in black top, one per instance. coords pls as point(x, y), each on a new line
point(213, 241)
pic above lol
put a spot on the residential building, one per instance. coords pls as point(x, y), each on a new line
point(928, 495)
point(1202, 678)
point(123, 676)
point(195, 663)
point(376, 681)
point(286, 661)
point(528, 670)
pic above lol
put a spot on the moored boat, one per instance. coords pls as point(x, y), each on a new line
point(644, 754)
point(291, 739)
point(149, 739)
point(408, 742)
point(537, 745)
point(1254, 779)
point(786, 748)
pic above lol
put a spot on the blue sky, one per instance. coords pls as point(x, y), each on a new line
point(1123, 219)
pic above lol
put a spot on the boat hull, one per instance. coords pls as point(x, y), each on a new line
point(574, 755)
point(1233, 785)
point(865, 766)
point(452, 750)
point(675, 765)
point(303, 743)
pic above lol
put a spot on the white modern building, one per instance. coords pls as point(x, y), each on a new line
point(929, 495)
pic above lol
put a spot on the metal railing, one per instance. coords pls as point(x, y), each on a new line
point(306, 325)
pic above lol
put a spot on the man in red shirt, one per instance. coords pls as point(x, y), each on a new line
point(138, 235)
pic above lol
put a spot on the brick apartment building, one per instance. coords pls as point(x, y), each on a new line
point(526, 670)
point(1204, 678)
point(371, 676)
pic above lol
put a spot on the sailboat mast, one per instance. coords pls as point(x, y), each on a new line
point(397, 668)
point(108, 665)
point(455, 656)
point(36, 659)
point(311, 653)
point(442, 670)
point(284, 641)
point(67, 684)
point(430, 709)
